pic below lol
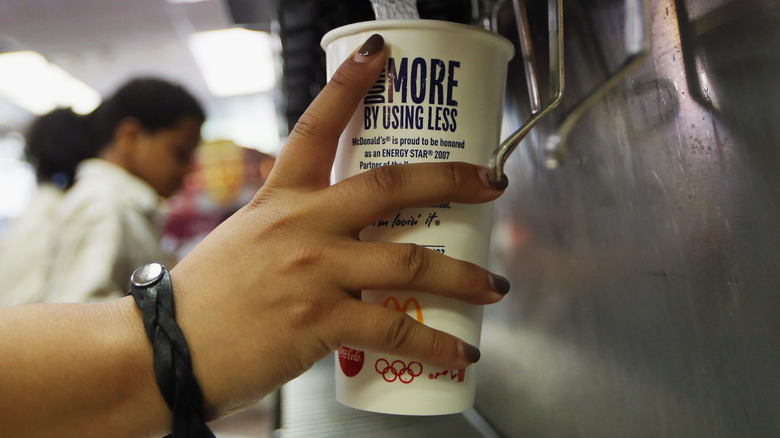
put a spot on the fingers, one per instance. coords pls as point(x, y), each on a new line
point(380, 329)
point(371, 195)
point(308, 154)
point(394, 266)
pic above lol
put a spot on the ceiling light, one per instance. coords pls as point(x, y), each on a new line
point(28, 80)
point(234, 61)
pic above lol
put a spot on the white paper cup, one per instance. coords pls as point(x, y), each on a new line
point(439, 99)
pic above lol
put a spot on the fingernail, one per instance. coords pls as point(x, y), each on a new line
point(500, 284)
point(487, 180)
point(470, 352)
point(371, 47)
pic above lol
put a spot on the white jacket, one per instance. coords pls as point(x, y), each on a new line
point(108, 228)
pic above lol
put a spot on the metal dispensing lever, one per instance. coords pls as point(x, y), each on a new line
point(555, 29)
point(637, 46)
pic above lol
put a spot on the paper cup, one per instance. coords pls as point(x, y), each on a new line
point(440, 98)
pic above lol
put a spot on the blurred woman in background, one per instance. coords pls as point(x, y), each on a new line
point(108, 222)
point(134, 149)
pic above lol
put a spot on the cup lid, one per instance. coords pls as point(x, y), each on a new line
point(447, 26)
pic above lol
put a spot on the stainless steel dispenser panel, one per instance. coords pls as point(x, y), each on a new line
point(645, 271)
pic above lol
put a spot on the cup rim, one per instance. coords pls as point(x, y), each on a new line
point(378, 25)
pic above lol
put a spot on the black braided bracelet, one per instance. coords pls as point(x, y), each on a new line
point(150, 286)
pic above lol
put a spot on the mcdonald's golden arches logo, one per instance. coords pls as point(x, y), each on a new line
point(405, 307)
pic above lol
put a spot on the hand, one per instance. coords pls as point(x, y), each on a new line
point(276, 287)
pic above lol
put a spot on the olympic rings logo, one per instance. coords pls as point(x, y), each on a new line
point(406, 306)
point(398, 370)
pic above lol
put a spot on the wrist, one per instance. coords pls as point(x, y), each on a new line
point(152, 291)
point(238, 355)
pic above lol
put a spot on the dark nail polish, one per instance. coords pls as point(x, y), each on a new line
point(500, 284)
point(372, 45)
point(501, 184)
point(471, 353)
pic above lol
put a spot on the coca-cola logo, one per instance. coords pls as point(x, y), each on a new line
point(351, 361)
point(398, 370)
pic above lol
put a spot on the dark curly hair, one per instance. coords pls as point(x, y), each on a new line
point(58, 141)
point(155, 103)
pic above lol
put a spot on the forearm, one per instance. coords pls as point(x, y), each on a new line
point(82, 369)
